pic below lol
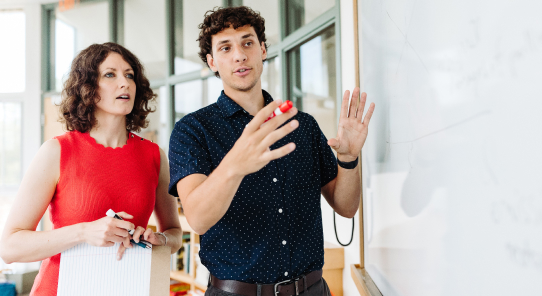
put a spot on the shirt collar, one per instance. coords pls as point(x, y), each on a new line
point(230, 107)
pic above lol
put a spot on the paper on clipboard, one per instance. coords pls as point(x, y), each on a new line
point(90, 270)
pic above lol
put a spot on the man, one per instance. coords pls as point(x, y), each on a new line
point(252, 190)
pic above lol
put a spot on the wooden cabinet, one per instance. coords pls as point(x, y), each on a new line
point(333, 267)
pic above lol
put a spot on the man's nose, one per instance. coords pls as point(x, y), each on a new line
point(239, 54)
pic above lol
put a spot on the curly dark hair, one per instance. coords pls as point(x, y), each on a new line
point(220, 18)
point(80, 93)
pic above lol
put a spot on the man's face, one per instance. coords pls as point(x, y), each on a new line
point(237, 56)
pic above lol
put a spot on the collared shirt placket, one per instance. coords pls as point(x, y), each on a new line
point(282, 212)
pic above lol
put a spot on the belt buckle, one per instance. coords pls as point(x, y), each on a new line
point(295, 281)
point(281, 283)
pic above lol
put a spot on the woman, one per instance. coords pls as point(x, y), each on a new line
point(99, 164)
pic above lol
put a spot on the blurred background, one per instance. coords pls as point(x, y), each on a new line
point(307, 63)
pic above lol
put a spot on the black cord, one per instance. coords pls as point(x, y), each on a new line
point(335, 227)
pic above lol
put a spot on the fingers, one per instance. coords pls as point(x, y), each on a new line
point(137, 233)
point(361, 104)
point(275, 122)
point(369, 114)
point(261, 116)
point(126, 242)
point(333, 143)
point(125, 215)
point(279, 152)
point(121, 224)
point(344, 105)
point(276, 135)
point(120, 251)
point(147, 233)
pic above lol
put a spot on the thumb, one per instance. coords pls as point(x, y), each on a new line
point(334, 143)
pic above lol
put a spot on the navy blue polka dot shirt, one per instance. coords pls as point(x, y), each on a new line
point(272, 230)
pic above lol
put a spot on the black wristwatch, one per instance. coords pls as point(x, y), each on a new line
point(348, 165)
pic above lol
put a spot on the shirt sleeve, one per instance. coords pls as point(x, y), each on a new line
point(326, 158)
point(187, 152)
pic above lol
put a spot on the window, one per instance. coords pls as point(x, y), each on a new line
point(271, 78)
point(12, 88)
point(302, 12)
point(187, 15)
point(145, 34)
point(12, 57)
point(269, 10)
point(188, 97)
point(10, 144)
point(73, 31)
point(313, 79)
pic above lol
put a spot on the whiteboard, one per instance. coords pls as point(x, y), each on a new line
point(452, 168)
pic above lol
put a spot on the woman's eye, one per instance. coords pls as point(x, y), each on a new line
point(131, 76)
point(109, 75)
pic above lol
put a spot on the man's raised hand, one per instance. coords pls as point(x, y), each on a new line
point(352, 131)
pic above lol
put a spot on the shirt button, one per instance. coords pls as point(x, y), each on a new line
point(280, 211)
point(283, 242)
point(274, 179)
point(286, 274)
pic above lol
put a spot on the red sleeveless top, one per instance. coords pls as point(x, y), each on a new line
point(93, 179)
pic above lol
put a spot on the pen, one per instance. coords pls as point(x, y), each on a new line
point(142, 243)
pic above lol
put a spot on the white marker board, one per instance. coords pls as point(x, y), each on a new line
point(453, 163)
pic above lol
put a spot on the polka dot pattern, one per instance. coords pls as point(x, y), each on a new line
point(273, 228)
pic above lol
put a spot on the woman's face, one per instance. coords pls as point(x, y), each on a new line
point(116, 86)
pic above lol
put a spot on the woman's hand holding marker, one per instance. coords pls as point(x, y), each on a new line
point(107, 231)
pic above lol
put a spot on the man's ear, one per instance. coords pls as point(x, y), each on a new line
point(264, 51)
point(211, 63)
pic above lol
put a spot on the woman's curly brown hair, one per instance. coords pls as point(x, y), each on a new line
point(222, 18)
point(80, 93)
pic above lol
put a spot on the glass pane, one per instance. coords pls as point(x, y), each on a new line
point(145, 34)
point(188, 97)
point(51, 126)
point(270, 12)
point(214, 89)
point(10, 144)
point(12, 57)
point(187, 16)
point(271, 80)
point(153, 129)
point(75, 29)
point(302, 12)
point(164, 111)
point(313, 83)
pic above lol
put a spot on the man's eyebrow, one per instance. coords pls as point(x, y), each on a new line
point(223, 41)
point(247, 35)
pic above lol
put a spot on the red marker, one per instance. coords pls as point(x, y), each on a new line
point(283, 108)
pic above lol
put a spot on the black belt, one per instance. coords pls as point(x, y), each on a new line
point(285, 288)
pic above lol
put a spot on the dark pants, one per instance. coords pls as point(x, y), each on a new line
point(318, 289)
